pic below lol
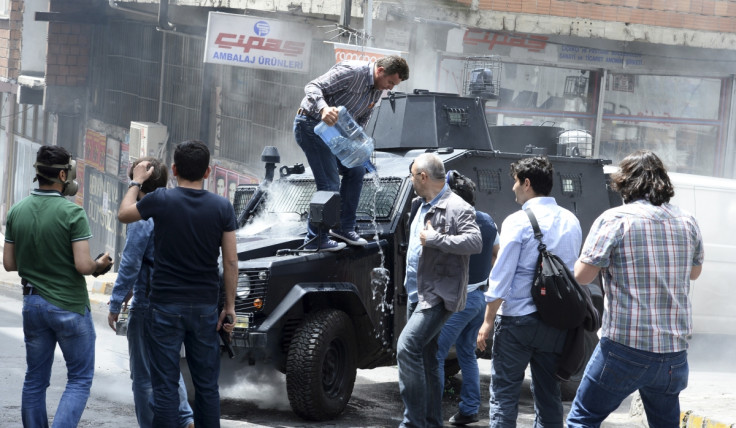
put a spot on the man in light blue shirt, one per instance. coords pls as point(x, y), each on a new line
point(520, 337)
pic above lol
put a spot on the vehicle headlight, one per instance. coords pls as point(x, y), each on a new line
point(243, 290)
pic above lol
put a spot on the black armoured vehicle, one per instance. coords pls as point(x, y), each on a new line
point(319, 316)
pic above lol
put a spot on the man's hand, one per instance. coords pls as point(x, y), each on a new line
point(483, 335)
point(111, 320)
point(142, 171)
point(221, 324)
point(329, 115)
point(423, 234)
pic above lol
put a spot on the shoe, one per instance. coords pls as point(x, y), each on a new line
point(351, 238)
point(460, 419)
point(325, 244)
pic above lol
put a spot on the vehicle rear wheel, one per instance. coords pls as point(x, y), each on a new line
point(320, 365)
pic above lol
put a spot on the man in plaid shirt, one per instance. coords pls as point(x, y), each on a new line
point(648, 251)
point(356, 85)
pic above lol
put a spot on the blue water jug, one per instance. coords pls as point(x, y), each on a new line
point(347, 140)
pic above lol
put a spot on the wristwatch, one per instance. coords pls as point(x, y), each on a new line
point(134, 183)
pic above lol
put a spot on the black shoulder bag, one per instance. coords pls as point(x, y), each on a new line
point(560, 300)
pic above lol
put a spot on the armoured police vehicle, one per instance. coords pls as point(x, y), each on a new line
point(319, 316)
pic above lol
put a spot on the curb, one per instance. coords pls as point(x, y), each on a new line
point(690, 420)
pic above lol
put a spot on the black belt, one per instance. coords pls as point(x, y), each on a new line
point(304, 112)
point(29, 290)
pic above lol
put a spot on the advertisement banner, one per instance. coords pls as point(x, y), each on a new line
point(94, 149)
point(345, 52)
point(226, 181)
point(247, 41)
point(102, 195)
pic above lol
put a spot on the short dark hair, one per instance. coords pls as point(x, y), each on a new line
point(538, 170)
point(393, 64)
point(642, 175)
point(158, 178)
point(51, 155)
point(462, 186)
point(192, 158)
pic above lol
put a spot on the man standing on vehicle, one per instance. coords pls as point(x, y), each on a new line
point(356, 85)
point(47, 242)
point(649, 251)
point(461, 329)
point(134, 275)
point(520, 337)
point(443, 235)
point(191, 226)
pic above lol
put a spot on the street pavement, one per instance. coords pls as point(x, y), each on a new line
point(707, 401)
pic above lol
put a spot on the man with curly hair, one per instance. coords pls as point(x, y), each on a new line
point(648, 251)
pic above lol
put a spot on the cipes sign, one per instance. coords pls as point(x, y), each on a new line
point(246, 41)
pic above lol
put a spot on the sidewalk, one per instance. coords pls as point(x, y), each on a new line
point(706, 403)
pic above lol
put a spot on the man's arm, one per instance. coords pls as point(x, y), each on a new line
point(485, 330)
point(695, 272)
point(131, 261)
point(84, 263)
point(128, 212)
point(585, 273)
point(229, 275)
point(9, 257)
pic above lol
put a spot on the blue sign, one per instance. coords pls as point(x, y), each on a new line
point(261, 28)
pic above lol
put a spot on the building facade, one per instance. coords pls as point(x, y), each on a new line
point(104, 79)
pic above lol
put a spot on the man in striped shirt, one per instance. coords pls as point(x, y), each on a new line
point(648, 251)
point(356, 85)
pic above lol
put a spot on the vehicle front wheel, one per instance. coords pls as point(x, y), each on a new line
point(320, 365)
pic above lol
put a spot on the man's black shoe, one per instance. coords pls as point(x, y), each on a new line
point(460, 419)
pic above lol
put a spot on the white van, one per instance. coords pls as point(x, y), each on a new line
point(713, 203)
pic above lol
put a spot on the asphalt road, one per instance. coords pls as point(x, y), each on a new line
point(256, 398)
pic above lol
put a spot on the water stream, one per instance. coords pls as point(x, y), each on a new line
point(380, 276)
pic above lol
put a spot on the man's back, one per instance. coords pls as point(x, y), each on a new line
point(651, 250)
point(188, 228)
point(43, 226)
point(514, 270)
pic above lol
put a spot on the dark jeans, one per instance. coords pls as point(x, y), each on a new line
point(140, 374)
point(615, 371)
point(327, 170)
point(194, 325)
point(519, 342)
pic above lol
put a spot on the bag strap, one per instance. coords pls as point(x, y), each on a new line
point(537, 233)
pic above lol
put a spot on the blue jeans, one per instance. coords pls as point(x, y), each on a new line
point(519, 342)
point(615, 371)
point(45, 325)
point(140, 374)
point(420, 383)
point(327, 170)
point(194, 325)
point(461, 329)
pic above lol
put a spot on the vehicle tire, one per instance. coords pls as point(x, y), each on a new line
point(320, 365)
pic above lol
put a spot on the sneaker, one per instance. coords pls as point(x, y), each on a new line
point(325, 244)
point(460, 419)
point(351, 237)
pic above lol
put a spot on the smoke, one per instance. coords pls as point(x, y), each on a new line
point(261, 385)
point(271, 220)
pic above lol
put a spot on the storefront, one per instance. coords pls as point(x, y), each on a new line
point(676, 101)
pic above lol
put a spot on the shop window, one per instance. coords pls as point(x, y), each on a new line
point(539, 95)
point(674, 116)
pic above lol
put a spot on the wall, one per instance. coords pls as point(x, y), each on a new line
point(10, 30)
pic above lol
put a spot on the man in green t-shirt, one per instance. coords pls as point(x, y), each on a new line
point(47, 242)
